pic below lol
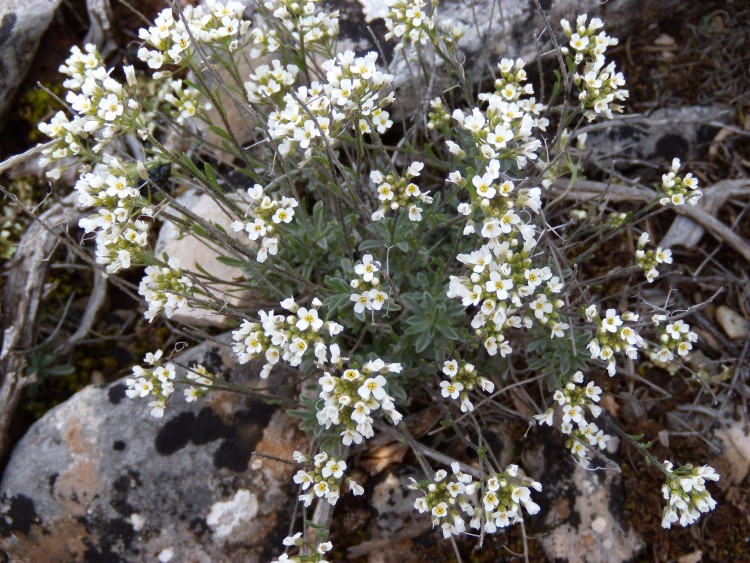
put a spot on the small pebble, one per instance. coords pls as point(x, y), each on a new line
point(734, 325)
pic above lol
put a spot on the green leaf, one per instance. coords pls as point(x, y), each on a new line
point(447, 331)
point(232, 261)
point(423, 341)
point(211, 175)
point(369, 244)
point(419, 326)
point(220, 132)
point(411, 301)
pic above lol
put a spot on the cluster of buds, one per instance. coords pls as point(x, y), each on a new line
point(268, 214)
point(368, 295)
point(463, 379)
point(395, 193)
point(351, 398)
point(647, 260)
point(165, 288)
point(158, 381)
point(611, 336)
point(575, 398)
point(269, 85)
point(675, 338)
point(686, 494)
point(324, 479)
point(676, 190)
point(438, 118)
point(599, 85)
point(284, 337)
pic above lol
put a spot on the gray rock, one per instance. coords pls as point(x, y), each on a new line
point(192, 251)
point(97, 478)
point(494, 30)
point(581, 516)
point(685, 133)
point(22, 24)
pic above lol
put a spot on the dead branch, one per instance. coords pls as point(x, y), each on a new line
point(587, 190)
point(21, 301)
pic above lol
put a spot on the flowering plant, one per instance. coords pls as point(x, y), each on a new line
point(430, 254)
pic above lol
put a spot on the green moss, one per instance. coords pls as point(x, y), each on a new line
point(36, 105)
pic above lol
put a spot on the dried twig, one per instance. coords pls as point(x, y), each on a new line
point(23, 295)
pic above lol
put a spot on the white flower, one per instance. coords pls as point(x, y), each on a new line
point(451, 389)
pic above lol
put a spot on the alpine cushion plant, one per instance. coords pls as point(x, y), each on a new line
point(397, 265)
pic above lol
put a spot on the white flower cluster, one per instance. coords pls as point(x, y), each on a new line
point(647, 260)
point(599, 85)
point(611, 336)
point(675, 338)
point(323, 479)
point(504, 130)
point(509, 293)
point(686, 494)
point(217, 25)
point(269, 85)
point(165, 288)
point(503, 279)
point(395, 193)
point(351, 91)
point(407, 21)
point(351, 398)
point(158, 380)
point(574, 399)
point(316, 552)
point(296, 24)
point(184, 101)
point(463, 379)
point(678, 190)
point(285, 337)
point(104, 108)
point(368, 295)
point(120, 235)
point(268, 215)
point(447, 499)
point(503, 496)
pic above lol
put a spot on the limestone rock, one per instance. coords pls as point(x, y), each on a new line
point(581, 510)
point(191, 251)
point(22, 24)
point(493, 31)
point(666, 133)
point(98, 479)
